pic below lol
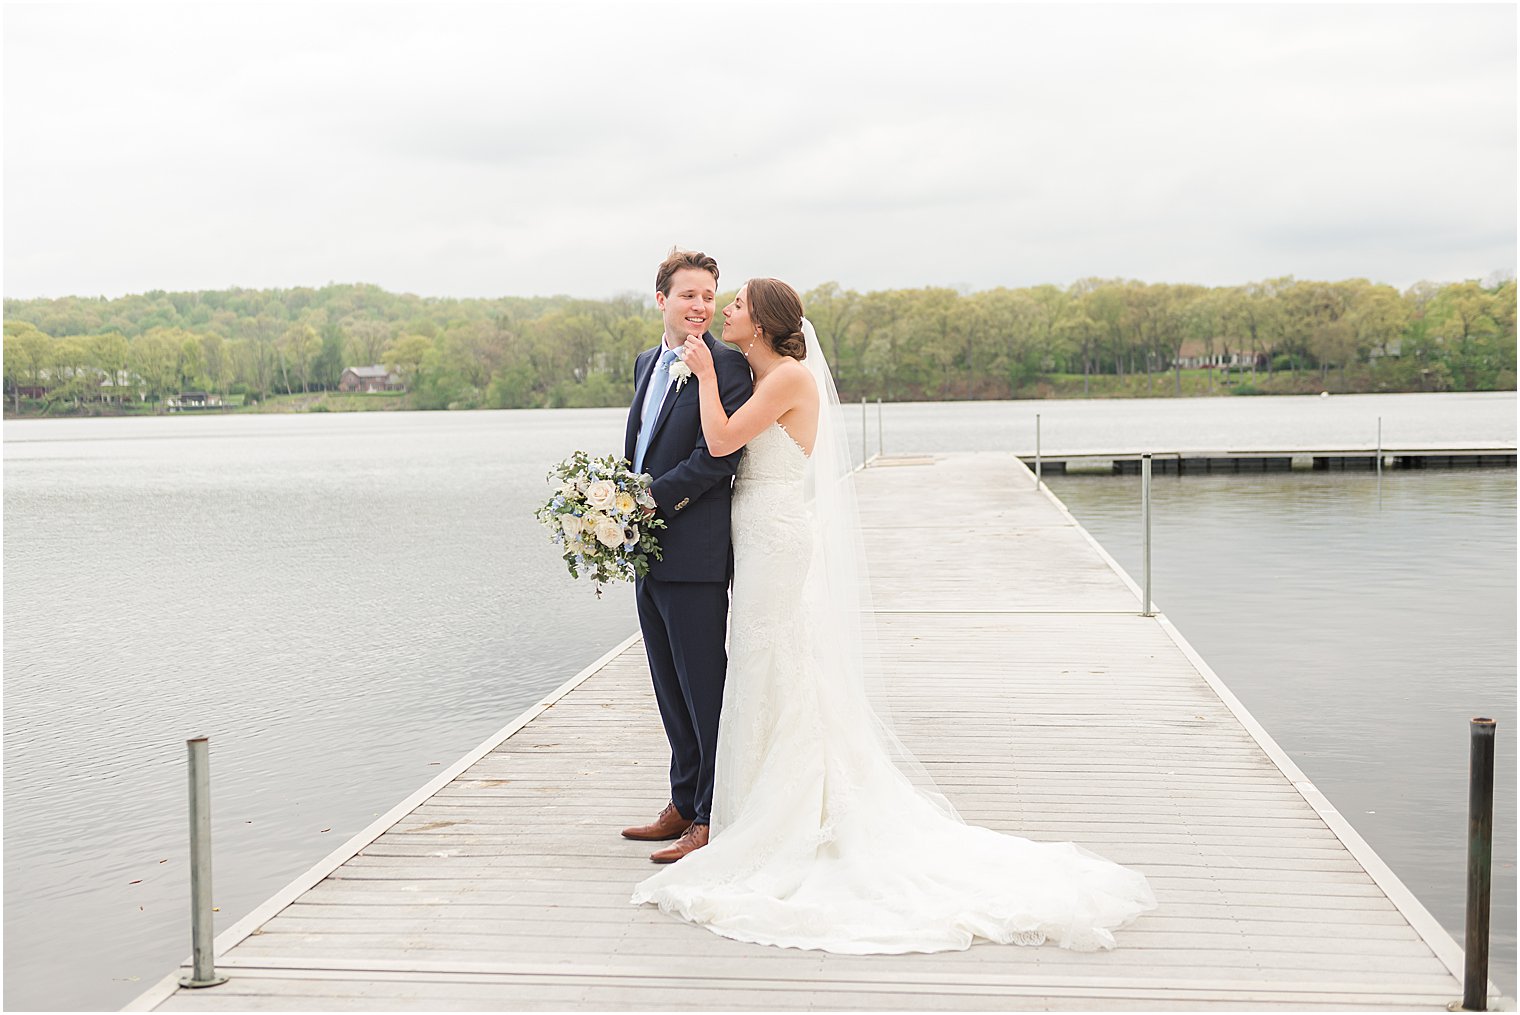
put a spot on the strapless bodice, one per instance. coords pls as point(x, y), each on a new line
point(772, 456)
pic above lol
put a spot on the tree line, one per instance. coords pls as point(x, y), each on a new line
point(897, 344)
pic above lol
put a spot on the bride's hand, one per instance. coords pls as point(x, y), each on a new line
point(697, 357)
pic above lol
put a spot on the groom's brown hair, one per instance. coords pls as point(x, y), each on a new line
point(678, 259)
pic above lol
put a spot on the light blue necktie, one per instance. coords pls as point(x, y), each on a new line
point(659, 382)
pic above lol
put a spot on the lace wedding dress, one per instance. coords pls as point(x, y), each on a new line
point(819, 839)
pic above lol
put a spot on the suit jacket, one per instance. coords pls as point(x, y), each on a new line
point(693, 490)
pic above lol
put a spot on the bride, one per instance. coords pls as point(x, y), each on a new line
point(826, 833)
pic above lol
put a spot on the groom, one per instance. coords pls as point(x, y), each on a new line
point(683, 601)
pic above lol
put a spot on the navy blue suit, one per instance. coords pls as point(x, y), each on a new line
point(683, 601)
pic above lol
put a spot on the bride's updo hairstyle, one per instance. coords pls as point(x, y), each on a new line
point(776, 309)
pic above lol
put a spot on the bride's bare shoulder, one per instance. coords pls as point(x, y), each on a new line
point(807, 387)
point(790, 384)
point(795, 373)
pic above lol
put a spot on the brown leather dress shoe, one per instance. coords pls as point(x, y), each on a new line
point(669, 825)
point(694, 839)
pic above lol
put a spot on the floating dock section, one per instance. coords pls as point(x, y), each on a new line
point(1200, 461)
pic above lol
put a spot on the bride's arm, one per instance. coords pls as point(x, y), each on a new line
point(726, 434)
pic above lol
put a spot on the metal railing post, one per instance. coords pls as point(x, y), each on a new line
point(202, 929)
point(879, 428)
point(1380, 450)
point(1038, 468)
point(1480, 855)
point(1145, 512)
point(864, 451)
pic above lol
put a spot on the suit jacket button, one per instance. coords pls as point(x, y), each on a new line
point(684, 501)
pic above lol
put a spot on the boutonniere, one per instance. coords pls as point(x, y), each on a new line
point(680, 372)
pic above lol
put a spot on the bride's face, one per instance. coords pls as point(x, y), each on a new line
point(737, 326)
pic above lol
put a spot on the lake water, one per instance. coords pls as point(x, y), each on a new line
point(344, 603)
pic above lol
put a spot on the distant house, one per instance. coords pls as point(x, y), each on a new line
point(38, 390)
point(192, 400)
point(126, 386)
point(375, 378)
point(1195, 354)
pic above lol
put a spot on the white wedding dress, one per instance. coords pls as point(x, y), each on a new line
point(818, 839)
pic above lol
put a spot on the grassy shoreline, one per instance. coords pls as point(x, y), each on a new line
point(1194, 384)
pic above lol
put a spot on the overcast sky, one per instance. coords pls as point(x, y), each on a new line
point(534, 149)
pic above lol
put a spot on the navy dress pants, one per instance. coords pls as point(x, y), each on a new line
point(685, 625)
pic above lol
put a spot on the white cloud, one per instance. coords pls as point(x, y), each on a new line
point(487, 150)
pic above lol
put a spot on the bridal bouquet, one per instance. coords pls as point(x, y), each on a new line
point(602, 515)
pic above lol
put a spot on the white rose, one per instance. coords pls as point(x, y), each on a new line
point(591, 519)
point(609, 533)
point(680, 372)
point(601, 494)
point(625, 503)
point(571, 524)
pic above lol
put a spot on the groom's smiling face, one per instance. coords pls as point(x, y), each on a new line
point(688, 309)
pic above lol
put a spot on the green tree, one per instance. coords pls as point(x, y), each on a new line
point(512, 388)
point(1463, 318)
point(404, 356)
point(110, 353)
point(216, 363)
point(298, 348)
point(75, 375)
point(28, 352)
point(440, 381)
point(832, 309)
point(328, 369)
point(1262, 314)
point(1102, 306)
point(258, 358)
point(1380, 317)
point(154, 357)
point(367, 340)
point(192, 364)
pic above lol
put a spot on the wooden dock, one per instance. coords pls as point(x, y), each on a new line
point(1039, 699)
